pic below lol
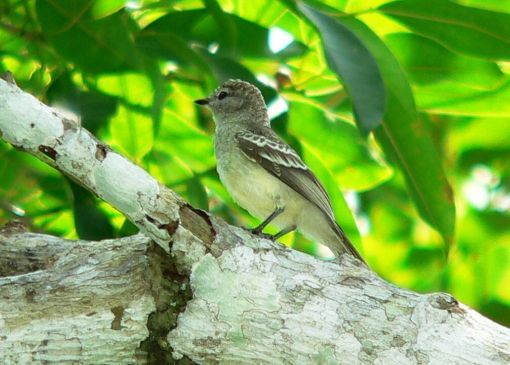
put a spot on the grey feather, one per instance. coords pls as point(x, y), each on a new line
point(267, 149)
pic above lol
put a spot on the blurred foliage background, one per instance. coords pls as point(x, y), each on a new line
point(400, 107)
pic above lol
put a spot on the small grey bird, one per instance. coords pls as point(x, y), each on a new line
point(264, 174)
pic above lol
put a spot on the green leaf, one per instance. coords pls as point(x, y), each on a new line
point(172, 34)
point(133, 89)
point(490, 134)
point(427, 62)
point(93, 107)
point(495, 5)
point(131, 128)
point(127, 229)
point(352, 61)
point(489, 104)
point(101, 45)
point(160, 40)
point(131, 133)
point(446, 82)
point(405, 138)
point(91, 223)
point(477, 32)
point(197, 196)
point(102, 8)
point(185, 142)
point(158, 84)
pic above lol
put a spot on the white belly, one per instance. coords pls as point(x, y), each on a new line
point(259, 192)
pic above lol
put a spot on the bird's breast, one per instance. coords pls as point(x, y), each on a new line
point(251, 186)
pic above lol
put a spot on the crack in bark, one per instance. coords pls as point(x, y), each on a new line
point(118, 313)
point(171, 292)
point(48, 151)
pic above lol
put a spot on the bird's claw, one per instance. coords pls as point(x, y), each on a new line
point(260, 234)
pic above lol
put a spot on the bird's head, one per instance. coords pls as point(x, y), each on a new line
point(235, 101)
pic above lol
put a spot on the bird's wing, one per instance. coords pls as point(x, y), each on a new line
point(282, 161)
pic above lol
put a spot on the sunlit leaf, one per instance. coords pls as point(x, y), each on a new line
point(131, 133)
point(489, 104)
point(102, 8)
point(186, 142)
point(472, 31)
point(428, 62)
point(405, 138)
point(445, 82)
point(481, 133)
point(132, 88)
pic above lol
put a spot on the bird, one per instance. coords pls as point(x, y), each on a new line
point(264, 174)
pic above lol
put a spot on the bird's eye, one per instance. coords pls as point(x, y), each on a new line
point(222, 95)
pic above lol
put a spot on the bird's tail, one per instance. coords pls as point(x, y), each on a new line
point(346, 243)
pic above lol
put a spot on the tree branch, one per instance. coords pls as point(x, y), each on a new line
point(246, 300)
point(65, 301)
point(31, 126)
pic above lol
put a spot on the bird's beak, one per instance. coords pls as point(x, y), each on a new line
point(202, 102)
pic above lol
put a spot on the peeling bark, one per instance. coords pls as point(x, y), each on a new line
point(212, 294)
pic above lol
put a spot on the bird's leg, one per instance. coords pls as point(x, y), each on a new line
point(284, 231)
point(258, 230)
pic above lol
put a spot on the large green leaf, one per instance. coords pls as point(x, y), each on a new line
point(491, 104)
point(428, 62)
point(350, 59)
point(446, 82)
point(94, 45)
point(406, 140)
point(491, 134)
point(476, 32)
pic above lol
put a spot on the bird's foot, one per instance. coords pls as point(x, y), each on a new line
point(257, 232)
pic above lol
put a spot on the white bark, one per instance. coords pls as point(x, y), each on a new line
point(275, 306)
point(253, 301)
point(31, 126)
point(65, 302)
